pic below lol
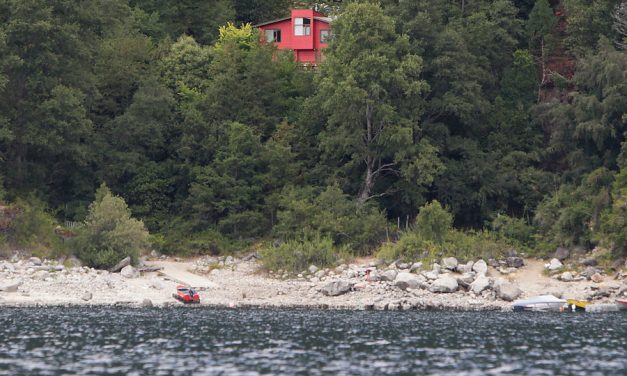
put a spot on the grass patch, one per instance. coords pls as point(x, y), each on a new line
point(296, 255)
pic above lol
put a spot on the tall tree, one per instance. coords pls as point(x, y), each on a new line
point(368, 77)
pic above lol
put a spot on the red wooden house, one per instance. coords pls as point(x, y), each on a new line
point(306, 32)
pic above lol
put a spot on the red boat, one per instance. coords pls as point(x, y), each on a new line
point(622, 304)
point(186, 294)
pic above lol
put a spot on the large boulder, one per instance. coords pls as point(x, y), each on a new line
point(590, 261)
point(480, 267)
point(415, 266)
point(35, 261)
point(121, 265)
point(554, 264)
point(388, 275)
point(405, 280)
point(129, 272)
point(449, 263)
point(444, 284)
point(146, 303)
point(480, 284)
point(11, 287)
point(465, 268)
point(507, 291)
point(336, 288)
point(465, 279)
point(312, 269)
point(561, 253)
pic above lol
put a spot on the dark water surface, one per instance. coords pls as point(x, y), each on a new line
point(55, 341)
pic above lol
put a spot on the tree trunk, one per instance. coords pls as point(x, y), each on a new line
point(368, 184)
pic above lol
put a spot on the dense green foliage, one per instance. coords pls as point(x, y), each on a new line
point(109, 233)
point(511, 114)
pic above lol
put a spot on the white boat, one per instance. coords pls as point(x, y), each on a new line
point(539, 303)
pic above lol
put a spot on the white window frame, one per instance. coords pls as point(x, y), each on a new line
point(301, 28)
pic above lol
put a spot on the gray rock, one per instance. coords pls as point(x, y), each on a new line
point(336, 288)
point(11, 287)
point(436, 268)
point(146, 303)
point(312, 269)
point(320, 273)
point(449, 263)
point(465, 279)
point(561, 253)
point(429, 275)
point(622, 290)
point(480, 284)
point(515, 262)
point(589, 272)
point(507, 291)
point(388, 275)
point(229, 260)
point(590, 261)
point(444, 284)
point(415, 266)
point(373, 276)
point(87, 296)
point(129, 272)
point(121, 265)
point(403, 265)
point(155, 253)
point(480, 267)
point(35, 260)
point(406, 280)
point(554, 264)
point(465, 268)
point(566, 277)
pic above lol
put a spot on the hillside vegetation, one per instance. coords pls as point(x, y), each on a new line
point(504, 120)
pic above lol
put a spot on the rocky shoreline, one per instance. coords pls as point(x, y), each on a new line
point(242, 283)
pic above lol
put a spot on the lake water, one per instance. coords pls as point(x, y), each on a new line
point(184, 341)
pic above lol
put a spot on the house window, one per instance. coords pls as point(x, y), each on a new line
point(325, 35)
point(273, 35)
point(302, 26)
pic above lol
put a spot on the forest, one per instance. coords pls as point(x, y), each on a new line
point(432, 127)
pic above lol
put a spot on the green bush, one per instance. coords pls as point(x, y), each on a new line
point(434, 222)
point(33, 229)
point(515, 230)
point(465, 246)
point(332, 214)
point(109, 233)
point(297, 255)
point(183, 237)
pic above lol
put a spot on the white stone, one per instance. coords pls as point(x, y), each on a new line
point(129, 272)
point(554, 264)
point(480, 267)
point(449, 263)
point(444, 284)
point(480, 284)
point(405, 280)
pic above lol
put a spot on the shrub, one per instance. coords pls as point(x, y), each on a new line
point(434, 222)
point(33, 228)
point(109, 233)
point(332, 214)
point(515, 230)
point(297, 255)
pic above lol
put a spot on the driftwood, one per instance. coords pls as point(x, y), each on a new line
point(147, 270)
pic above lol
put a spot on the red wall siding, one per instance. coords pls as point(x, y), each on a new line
point(306, 47)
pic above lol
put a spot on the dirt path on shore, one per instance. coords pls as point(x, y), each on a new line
point(179, 272)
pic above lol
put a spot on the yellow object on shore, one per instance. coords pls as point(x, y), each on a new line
point(580, 304)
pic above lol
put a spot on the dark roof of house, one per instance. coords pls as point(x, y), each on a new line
point(273, 21)
point(322, 19)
